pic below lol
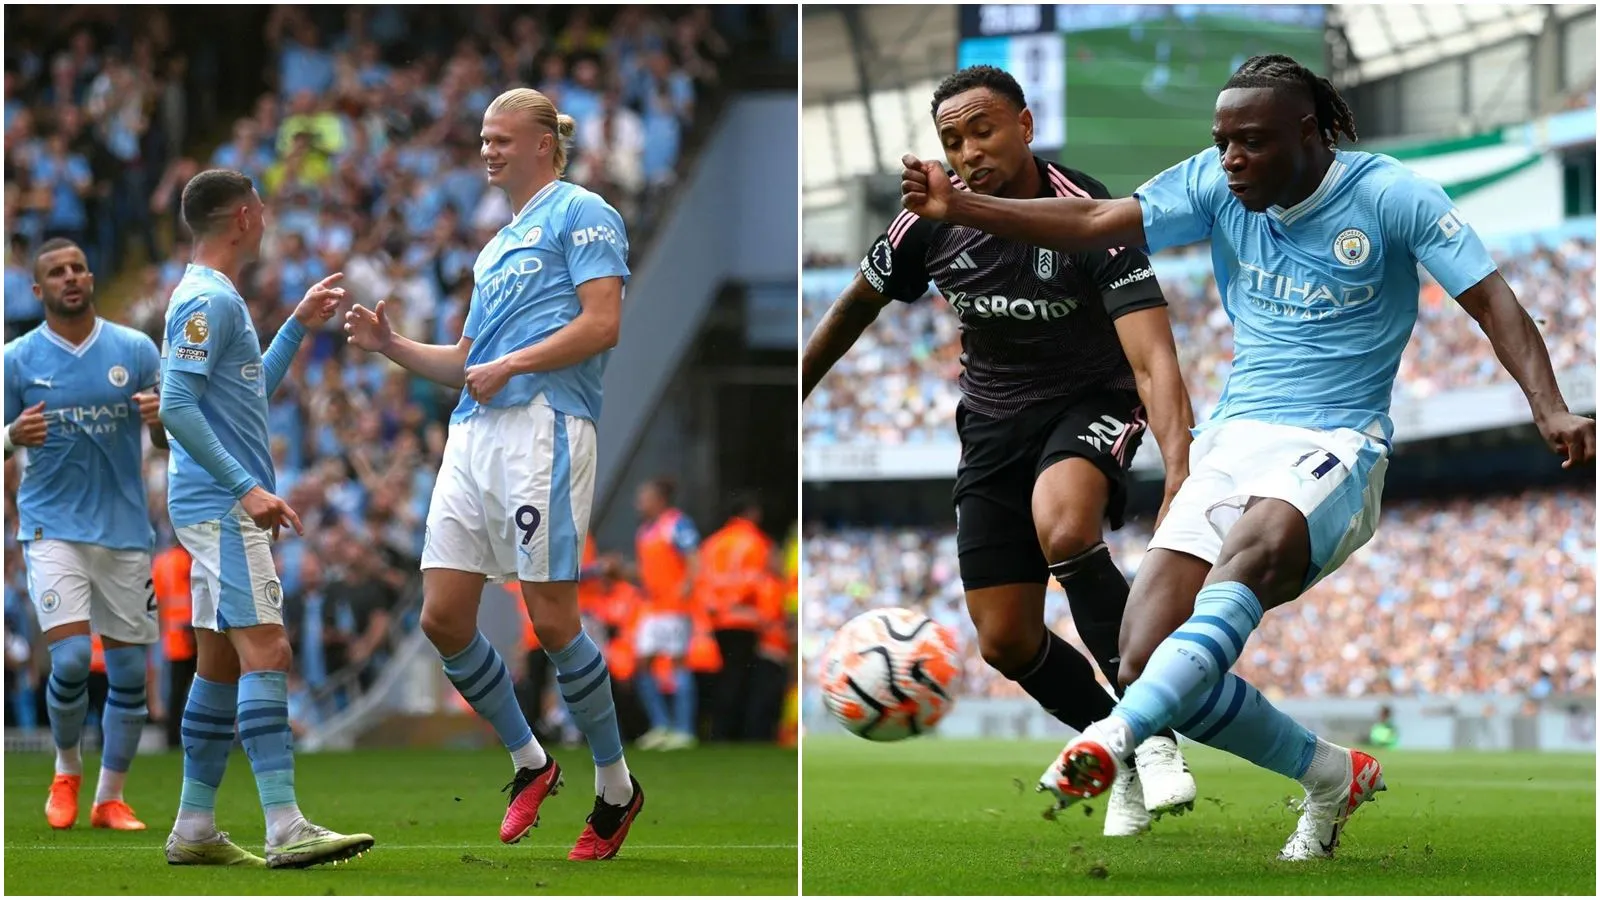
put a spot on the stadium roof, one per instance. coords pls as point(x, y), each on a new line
point(1390, 38)
point(900, 46)
point(895, 46)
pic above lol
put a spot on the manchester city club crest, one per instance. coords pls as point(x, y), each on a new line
point(50, 601)
point(118, 376)
point(1352, 247)
point(1044, 263)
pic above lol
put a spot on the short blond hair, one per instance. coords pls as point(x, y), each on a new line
point(544, 115)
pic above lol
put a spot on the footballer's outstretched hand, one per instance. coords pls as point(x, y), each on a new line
point(1571, 436)
point(369, 328)
point(320, 301)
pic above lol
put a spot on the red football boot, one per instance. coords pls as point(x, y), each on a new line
point(608, 827)
point(528, 790)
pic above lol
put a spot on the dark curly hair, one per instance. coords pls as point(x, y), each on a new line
point(997, 80)
point(1274, 70)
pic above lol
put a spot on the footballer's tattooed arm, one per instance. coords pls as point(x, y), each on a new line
point(841, 326)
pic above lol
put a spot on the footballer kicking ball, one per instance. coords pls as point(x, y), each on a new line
point(890, 674)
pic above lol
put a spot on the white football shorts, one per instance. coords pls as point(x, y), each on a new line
point(233, 580)
point(110, 589)
point(513, 497)
point(1335, 478)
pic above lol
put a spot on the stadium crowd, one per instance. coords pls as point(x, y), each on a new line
point(1409, 614)
point(911, 357)
point(365, 150)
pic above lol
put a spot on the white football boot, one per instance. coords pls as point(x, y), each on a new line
point(1126, 815)
point(1326, 808)
point(1167, 784)
point(1088, 765)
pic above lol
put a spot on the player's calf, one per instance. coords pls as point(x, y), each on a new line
point(1013, 639)
point(585, 682)
point(67, 696)
point(208, 731)
point(121, 724)
point(480, 674)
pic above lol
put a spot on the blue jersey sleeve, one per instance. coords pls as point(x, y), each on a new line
point(197, 330)
point(474, 316)
point(685, 536)
point(180, 413)
point(1419, 214)
point(1180, 205)
point(596, 241)
point(281, 353)
point(149, 363)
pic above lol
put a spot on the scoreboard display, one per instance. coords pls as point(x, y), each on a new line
point(1123, 92)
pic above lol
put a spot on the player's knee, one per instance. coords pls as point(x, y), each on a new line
point(448, 631)
point(69, 659)
point(1271, 561)
point(553, 607)
point(556, 635)
point(1067, 540)
point(125, 668)
point(265, 650)
point(1010, 649)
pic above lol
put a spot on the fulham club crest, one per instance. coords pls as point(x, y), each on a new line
point(1044, 263)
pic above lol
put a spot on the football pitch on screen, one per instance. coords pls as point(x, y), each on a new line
point(962, 817)
point(716, 821)
point(1133, 111)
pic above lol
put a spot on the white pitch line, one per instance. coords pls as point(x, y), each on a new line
point(150, 848)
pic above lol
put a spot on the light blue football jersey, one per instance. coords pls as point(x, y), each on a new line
point(86, 483)
point(526, 289)
point(209, 333)
point(1323, 296)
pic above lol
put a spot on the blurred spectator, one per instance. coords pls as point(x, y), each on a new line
point(1409, 614)
point(23, 309)
point(898, 384)
point(22, 639)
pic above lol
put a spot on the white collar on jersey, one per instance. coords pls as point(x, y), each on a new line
point(75, 349)
point(1300, 210)
point(534, 200)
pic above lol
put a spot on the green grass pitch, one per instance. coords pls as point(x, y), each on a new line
point(716, 821)
point(961, 817)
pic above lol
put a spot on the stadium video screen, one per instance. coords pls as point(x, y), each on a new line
point(1122, 92)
